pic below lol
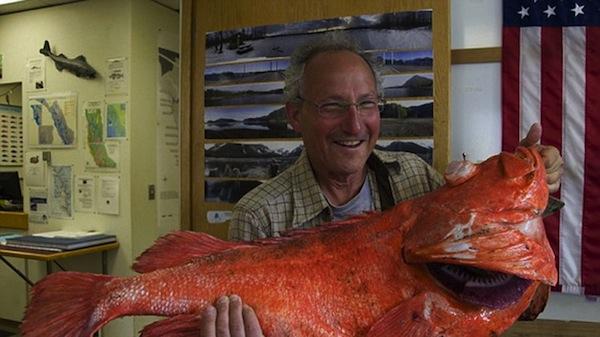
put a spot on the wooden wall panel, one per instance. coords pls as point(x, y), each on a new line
point(215, 15)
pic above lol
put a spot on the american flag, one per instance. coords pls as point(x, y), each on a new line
point(551, 75)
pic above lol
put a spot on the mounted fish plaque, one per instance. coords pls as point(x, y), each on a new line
point(77, 66)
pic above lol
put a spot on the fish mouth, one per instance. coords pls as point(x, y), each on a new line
point(480, 287)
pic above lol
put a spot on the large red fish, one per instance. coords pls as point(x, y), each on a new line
point(464, 260)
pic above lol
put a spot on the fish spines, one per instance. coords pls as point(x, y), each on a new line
point(69, 300)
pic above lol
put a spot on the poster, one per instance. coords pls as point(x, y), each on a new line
point(38, 205)
point(245, 120)
point(117, 78)
point(99, 154)
point(36, 74)
point(108, 195)
point(167, 132)
point(61, 192)
point(11, 135)
point(116, 120)
point(35, 169)
point(85, 194)
point(52, 120)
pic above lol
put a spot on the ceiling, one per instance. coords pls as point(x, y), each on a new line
point(34, 4)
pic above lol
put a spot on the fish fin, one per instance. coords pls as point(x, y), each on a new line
point(59, 65)
point(515, 166)
point(81, 58)
point(180, 247)
point(46, 49)
point(358, 219)
point(177, 326)
point(62, 305)
point(411, 318)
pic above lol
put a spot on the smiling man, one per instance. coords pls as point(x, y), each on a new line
point(333, 94)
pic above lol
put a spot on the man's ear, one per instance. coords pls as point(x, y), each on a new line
point(293, 115)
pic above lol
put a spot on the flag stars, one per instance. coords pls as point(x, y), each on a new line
point(550, 11)
point(577, 9)
point(524, 12)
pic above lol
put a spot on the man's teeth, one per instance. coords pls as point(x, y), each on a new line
point(349, 142)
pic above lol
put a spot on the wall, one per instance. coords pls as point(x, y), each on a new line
point(98, 29)
point(147, 19)
point(476, 101)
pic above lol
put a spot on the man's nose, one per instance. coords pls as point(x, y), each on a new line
point(352, 122)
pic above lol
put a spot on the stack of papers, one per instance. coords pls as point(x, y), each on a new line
point(60, 240)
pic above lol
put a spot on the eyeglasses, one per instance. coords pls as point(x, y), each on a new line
point(336, 109)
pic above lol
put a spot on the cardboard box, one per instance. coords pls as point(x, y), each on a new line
point(15, 220)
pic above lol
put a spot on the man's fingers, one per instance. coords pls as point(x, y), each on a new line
point(533, 135)
point(552, 159)
point(207, 323)
point(236, 321)
point(252, 325)
point(223, 317)
point(553, 163)
point(553, 180)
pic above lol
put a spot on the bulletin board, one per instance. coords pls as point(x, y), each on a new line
point(234, 86)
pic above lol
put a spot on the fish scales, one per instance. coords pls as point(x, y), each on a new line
point(373, 275)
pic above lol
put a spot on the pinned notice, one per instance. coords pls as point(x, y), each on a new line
point(108, 195)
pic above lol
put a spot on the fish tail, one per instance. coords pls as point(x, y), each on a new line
point(62, 305)
point(46, 49)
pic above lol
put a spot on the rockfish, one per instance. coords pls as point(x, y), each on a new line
point(464, 260)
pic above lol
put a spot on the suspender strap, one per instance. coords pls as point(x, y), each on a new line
point(383, 181)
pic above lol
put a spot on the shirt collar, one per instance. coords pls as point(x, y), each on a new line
point(309, 201)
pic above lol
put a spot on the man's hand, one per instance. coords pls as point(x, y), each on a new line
point(553, 162)
point(230, 318)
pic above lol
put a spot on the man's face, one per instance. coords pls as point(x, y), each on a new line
point(337, 147)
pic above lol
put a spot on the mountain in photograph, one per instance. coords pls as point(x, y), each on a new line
point(404, 147)
point(399, 20)
point(244, 77)
point(420, 62)
point(216, 96)
point(395, 110)
point(418, 82)
point(276, 117)
point(425, 152)
point(239, 150)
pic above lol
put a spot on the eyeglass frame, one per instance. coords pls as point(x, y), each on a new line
point(379, 101)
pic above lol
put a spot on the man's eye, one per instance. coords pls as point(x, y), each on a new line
point(334, 106)
point(368, 104)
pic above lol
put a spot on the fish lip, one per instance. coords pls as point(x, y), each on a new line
point(489, 289)
point(518, 249)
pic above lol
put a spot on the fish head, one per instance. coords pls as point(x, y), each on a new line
point(481, 235)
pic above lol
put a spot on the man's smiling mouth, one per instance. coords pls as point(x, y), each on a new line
point(349, 143)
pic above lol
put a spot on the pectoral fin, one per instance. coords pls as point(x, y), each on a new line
point(187, 325)
point(411, 318)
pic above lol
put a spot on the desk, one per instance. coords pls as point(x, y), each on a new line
point(51, 257)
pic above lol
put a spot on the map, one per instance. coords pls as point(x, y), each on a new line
point(52, 121)
point(61, 192)
point(116, 120)
point(99, 154)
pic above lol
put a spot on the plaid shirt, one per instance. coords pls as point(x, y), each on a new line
point(293, 199)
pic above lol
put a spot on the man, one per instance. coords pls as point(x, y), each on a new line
point(332, 101)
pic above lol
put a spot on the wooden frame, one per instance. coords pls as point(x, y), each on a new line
point(213, 15)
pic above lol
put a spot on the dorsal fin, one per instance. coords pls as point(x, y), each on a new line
point(292, 233)
point(81, 58)
point(180, 247)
